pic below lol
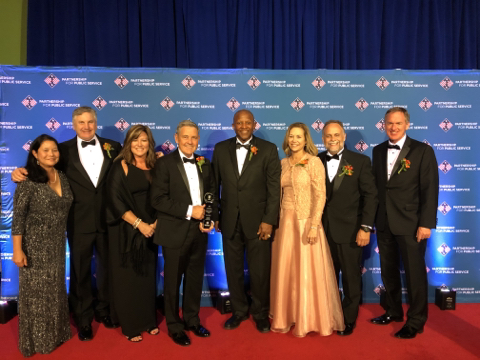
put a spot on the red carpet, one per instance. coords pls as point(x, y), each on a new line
point(448, 335)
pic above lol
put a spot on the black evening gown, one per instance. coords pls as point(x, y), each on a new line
point(40, 216)
point(133, 266)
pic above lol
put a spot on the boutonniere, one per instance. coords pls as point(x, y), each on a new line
point(200, 162)
point(302, 162)
point(405, 165)
point(347, 170)
point(107, 147)
point(253, 151)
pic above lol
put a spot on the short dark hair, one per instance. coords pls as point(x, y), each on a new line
point(243, 111)
point(398, 109)
point(36, 173)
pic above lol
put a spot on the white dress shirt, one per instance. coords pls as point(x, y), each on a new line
point(332, 165)
point(392, 155)
point(91, 157)
point(242, 154)
point(193, 183)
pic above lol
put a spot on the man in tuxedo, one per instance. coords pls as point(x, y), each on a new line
point(247, 169)
point(181, 180)
point(348, 215)
point(86, 160)
point(406, 175)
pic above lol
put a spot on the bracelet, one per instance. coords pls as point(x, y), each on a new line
point(313, 227)
point(136, 223)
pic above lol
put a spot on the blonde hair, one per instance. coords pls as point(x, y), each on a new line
point(309, 145)
point(132, 134)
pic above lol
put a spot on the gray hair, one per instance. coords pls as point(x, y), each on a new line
point(399, 109)
point(338, 122)
point(186, 123)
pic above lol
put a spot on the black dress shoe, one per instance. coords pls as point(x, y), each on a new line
point(85, 333)
point(407, 332)
point(106, 321)
point(199, 330)
point(234, 322)
point(386, 319)
point(348, 330)
point(263, 325)
point(180, 338)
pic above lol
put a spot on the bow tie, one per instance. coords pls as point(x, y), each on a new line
point(390, 146)
point(191, 161)
point(246, 146)
point(336, 156)
point(86, 143)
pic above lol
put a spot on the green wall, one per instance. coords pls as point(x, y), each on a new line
point(13, 32)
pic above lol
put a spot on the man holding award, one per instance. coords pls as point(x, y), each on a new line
point(183, 193)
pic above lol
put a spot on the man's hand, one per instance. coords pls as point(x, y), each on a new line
point(19, 175)
point(19, 258)
point(264, 231)
point(159, 154)
point(202, 229)
point(363, 238)
point(198, 212)
point(217, 227)
point(422, 233)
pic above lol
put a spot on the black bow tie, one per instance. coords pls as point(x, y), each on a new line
point(191, 161)
point(86, 143)
point(336, 156)
point(390, 146)
point(246, 146)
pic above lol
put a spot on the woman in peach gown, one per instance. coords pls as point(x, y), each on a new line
point(303, 291)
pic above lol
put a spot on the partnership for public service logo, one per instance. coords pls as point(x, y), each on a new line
point(99, 102)
point(380, 125)
point(425, 104)
point(29, 102)
point(361, 104)
point(446, 83)
point(122, 125)
point(318, 125)
point(444, 249)
point(445, 125)
point(233, 104)
point(167, 103)
point(444, 208)
point(445, 166)
point(382, 83)
point(51, 80)
point(167, 147)
point(297, 104)
point(52, 125)
point(253, 82)
point(188, 82)
point(361, 146)
point(318, 83)
point(121, 81)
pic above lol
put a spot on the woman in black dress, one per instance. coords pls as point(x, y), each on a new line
point(131, 219)
point(40, 209)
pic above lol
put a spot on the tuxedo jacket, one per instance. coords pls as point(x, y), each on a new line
point(170, 196)
point(409, 199)
point(255, 194)
point(353, 200)
point(88, 212)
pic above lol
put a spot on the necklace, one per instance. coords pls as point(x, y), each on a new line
point(55, 180)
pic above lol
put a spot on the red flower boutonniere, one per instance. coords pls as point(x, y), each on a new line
point(200, 162)
point(347, 170)
point(107, 147)
point(405, 165)
point(302, 162)
point(253, 151)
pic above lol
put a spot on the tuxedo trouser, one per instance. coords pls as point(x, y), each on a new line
point(413, 255)
point(189, 261)
point(258, 260)
point(347, 258)
point(82, 248)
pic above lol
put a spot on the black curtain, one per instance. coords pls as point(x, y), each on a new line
point(265, 34)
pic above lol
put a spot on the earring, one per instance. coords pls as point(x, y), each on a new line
point(38, 163)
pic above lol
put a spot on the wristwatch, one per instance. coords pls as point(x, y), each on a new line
point(366, 229)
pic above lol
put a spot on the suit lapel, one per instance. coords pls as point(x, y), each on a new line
point(75, 158)
point(402, 155)
point(200, 178)
point(383, 161)
point(106, 160)
point(337, 181)
point(181, 168)
point(233, 156)
point(247, 161)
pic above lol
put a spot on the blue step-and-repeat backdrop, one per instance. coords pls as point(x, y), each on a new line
point(444, 108)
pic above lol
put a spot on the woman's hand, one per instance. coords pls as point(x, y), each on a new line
point(312, 236)
point(146, 229)
point(19, 258)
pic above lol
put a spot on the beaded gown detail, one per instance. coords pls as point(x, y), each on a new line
point(40, 215)
point(303, 290)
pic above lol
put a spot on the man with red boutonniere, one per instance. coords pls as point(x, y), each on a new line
point(406, 175)
point(348, 215)
point(247, 170)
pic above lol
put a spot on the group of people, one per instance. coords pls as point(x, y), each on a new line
point(300, 222)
